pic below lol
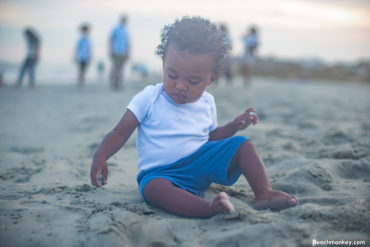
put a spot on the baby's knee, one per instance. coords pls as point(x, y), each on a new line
point(155, 186)
point(247, 145)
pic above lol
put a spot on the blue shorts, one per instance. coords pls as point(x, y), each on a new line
point(196, 172)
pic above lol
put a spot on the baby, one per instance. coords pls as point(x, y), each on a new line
point(181, 149)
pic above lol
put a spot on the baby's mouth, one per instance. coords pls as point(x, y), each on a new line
point(179, 97)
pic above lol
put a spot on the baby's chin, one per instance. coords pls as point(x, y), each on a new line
point(186, 101)
point(180, 99)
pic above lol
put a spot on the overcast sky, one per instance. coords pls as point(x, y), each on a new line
point(334, 30)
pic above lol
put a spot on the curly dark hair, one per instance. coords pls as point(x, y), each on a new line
point(196, 35)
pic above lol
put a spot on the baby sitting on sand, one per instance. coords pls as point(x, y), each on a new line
point(181, 149)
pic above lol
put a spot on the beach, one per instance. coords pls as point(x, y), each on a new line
point(314, 138)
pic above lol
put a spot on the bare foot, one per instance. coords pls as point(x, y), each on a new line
point(275, 200)
point(221, 204)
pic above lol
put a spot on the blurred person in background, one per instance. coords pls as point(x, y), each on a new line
point(250, 44)
point(140, 69)
point(83, 54)
point(32, 56)
point(119, 48)
point(227, 72)
point(100, 68)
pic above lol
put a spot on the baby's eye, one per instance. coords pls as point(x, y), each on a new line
point(172, 76)
point(194, 81)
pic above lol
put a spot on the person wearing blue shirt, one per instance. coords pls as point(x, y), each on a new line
point(119, 46)
point(83, 53)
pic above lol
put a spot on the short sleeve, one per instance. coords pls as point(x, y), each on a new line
point(140, 104)
point(214, 117)
point(211, 101)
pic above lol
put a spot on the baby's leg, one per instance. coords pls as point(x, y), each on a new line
point(162, 193)
point(253, 168)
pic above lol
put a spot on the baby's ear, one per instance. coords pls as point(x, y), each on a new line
point(213, 78)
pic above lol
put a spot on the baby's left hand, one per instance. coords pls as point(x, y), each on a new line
point(243, 121)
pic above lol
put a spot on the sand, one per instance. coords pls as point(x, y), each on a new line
point(314, 138)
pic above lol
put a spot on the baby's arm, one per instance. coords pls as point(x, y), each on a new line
point(112, 142)
point(239, 123)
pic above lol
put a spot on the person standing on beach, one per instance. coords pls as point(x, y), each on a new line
point(83, 54)
point(250, 44)
point(181, 150)
point(119, 48)
point(227, 72)
point(100, 68)
point(32, 57)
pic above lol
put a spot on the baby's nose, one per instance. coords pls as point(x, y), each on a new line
point(181, 85)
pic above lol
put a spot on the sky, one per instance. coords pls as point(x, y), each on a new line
point(333, 30)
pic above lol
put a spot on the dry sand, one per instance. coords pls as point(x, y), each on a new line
point(313, 137)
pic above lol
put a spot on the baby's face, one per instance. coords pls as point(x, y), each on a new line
point(187, 75)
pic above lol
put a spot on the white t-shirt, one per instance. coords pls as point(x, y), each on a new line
point(169, 131)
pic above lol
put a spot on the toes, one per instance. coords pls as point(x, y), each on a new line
point(221, 203)
point(223, 195)
point(227, 206)
point(293, 202)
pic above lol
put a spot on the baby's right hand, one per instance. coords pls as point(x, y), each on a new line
point(244, 120)
point(99, 167)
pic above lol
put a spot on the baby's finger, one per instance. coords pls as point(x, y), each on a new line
point(250, 110)
point(94, 174)
point(253, 114)
point(94, 181)
point(104, 175)
point(254, 119)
